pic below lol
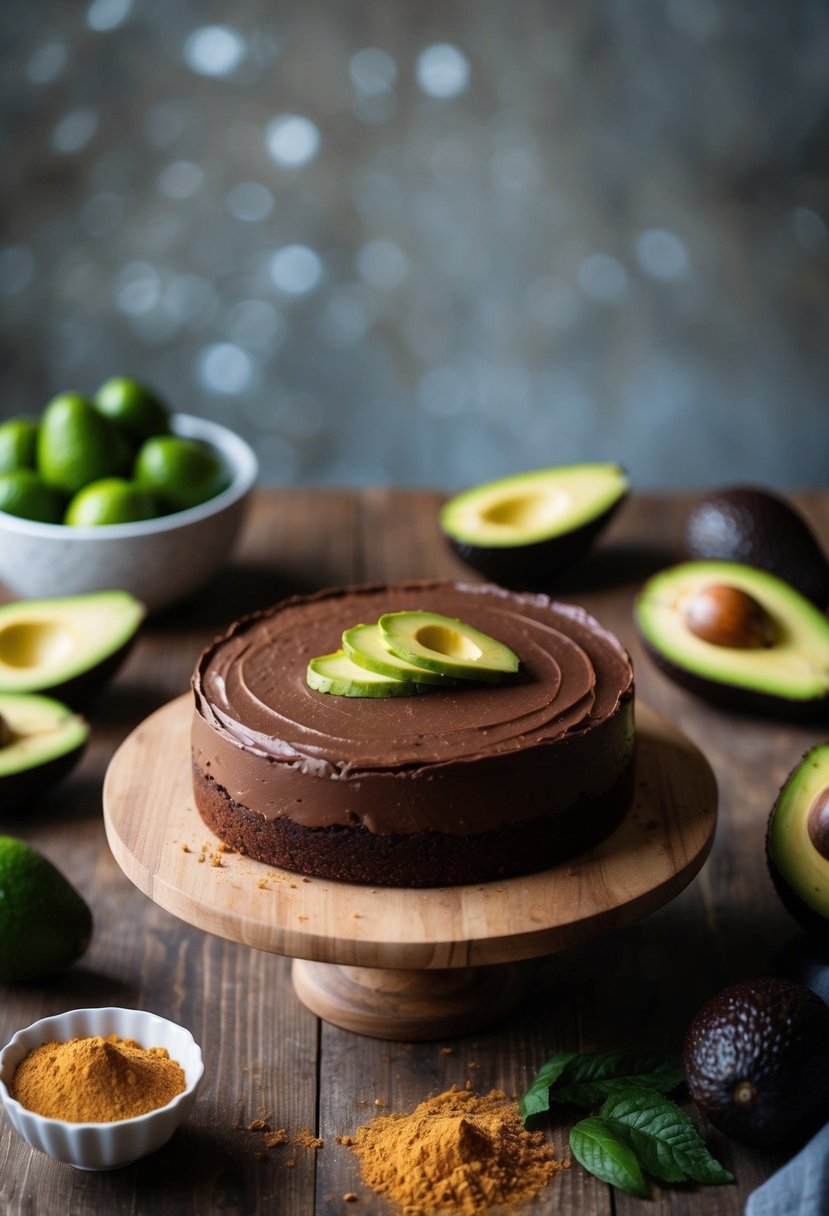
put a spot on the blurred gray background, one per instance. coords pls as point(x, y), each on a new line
point(430, 243)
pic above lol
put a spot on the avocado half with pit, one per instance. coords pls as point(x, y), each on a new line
point(526, 529)
point(41, 740)
point(797, 842)
point(738, 636)
point(66, 647)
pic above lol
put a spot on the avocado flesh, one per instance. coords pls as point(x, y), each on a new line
point(447, 646)
point(43, 739)
point(338, 675)
point(794, 669)
point(532, 507)
point(365, 646)
point(50, 645)
point(799, 870)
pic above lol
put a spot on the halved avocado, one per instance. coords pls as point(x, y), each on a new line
point(797, 842)
point(40, 741)
point(66, 647)
point(526, 529)
point(768, 651)
point(447, 646)
point(338, 675)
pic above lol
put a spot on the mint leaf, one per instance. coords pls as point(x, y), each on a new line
point(597, 1146)
point(585, 1078)
point(662, 1137)
point(537, 1098)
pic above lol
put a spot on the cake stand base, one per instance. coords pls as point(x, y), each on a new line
point(406, 1005)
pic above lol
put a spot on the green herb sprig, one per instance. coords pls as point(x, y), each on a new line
point(637, 1130)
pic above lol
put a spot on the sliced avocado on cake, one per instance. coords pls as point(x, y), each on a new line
point(336, 674)
point(447, 646)
point(528, 528)
point(738, 635)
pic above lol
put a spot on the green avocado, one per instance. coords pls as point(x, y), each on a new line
point(757, 1060)
point(447, 646)
point(528, 528)
point(737, 635)
point(797, 842)
point(66, 647)
point(337, 674)
point(45, 924)
point(40, 741)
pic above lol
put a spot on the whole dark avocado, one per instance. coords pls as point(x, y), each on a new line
point(797, 842)
point(751, 525)
point(757, 1060)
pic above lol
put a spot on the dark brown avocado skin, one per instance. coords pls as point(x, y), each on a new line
point(534, 566)
point(757, 1060)
point(751, 525)
point(16, 789)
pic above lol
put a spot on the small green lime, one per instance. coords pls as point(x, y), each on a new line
point(132, 407)
point(18, 444)
point(45, 924)
point(76, 444)
point(112, 500)
point(26, 494)
point(182, 472)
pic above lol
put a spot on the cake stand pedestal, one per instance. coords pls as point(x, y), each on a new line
point(405, 963)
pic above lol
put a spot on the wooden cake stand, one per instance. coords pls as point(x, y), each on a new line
point(405, 963)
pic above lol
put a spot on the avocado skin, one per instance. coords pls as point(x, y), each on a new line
point(533, 566)
point(769, 1034)
point(806, 916)
point(731, 696)
point(16, 788)
point(751, 525)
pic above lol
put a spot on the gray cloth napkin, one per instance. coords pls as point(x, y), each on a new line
point(800, 1187)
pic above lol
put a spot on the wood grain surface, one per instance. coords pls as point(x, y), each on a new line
point(266, 1055)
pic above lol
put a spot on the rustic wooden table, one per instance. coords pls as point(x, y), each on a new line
point(266, 1055)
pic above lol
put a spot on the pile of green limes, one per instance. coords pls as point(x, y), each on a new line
point(108, 459)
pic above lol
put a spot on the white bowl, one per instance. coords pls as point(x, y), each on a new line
point(159, 560)
point(103, 1146)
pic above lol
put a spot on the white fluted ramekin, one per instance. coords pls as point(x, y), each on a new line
point(103, 1146)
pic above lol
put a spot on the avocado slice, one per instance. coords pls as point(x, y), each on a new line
point(67, 647)
point(526, 529)
point(757, 1059)
point(447, 646)
point(337, 674)
point(797, 842)
point(751, 525)
point(783, 669)
point(40, 741)
point(366, 646)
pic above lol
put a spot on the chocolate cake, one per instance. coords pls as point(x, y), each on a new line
point(454, 785)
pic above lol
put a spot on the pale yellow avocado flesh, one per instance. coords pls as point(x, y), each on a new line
point(795, 666)
point(442, 644)
point(535, 506)
point(790, 848)
point(45, 643)
point(34, 730)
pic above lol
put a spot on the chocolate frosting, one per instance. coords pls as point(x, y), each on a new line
point(458, 759)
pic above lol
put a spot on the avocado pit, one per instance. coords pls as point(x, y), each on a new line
point(727, 616)
point(817, 823)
